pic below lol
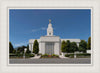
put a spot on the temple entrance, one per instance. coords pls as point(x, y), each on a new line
point(49, 48)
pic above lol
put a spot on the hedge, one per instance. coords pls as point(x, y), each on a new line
point(78, 55)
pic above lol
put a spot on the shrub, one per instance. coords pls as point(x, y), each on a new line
point(31, 55)
point(19, 55)
point(54, 55)
point(49, 56)
point(67, 55)
point(45, 55)
point(39, 54)
point(83, 55)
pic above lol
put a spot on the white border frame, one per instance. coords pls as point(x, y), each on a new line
point(91, 29)
point(95, 68)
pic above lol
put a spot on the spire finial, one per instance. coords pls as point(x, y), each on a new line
point(49, 20)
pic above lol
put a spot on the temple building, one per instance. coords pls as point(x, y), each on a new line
point(50, 44)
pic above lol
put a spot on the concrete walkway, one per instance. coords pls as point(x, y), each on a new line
point(51, 61)
point(36, 57)
point(62, 57)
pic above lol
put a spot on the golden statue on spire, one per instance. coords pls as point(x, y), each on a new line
point(49, 20)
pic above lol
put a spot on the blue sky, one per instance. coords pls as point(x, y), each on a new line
point(25, 24)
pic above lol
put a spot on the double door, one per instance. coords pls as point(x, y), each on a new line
point(49, 48)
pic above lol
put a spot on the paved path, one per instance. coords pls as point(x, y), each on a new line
point(62, 57)
point(36, 57)
point(51, 61)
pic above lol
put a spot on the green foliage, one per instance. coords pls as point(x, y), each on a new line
point(19, 55)
point(45, 55)
point(81, 55)
point(10, 47)
point(29, 55)
point(28, 51)
point(36, 47)
point(63, 46)
point(21, 49)
point(69, 55)
point(49, 56)
point(14, 51)
point(89, 43)
point(54, 55)
point(73, 47)
point(83, 46)
point(68, 46)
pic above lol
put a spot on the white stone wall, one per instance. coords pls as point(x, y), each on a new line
point(56, 49)
point(55, 39)
point(31, 47)
point(89, 51)
point(50, 38)
point(42, 48)
point(77, 44)
point(71, 40)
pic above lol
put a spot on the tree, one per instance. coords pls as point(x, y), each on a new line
point(21, 49)
point(68, 46)
point(14, 51)
point(36, 47)
point(83, 46)
point(63, 46)
point(10, 47)
point(89, 43)
point(74, 47)
point(28, 51)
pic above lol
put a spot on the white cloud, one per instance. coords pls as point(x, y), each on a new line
point(35, 30)
point(43, 28)
point(21, 44)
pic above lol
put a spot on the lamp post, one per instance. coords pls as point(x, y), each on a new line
point(24, 52)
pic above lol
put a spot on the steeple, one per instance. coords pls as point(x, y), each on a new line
point(49, 29)
point(49, 20)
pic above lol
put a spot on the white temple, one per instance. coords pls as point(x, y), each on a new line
point(50, 44)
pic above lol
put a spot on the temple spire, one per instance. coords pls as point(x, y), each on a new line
point(49, 20)
point(49, 29)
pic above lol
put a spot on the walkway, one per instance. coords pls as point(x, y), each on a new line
point(51, 61)
point(35, 57)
